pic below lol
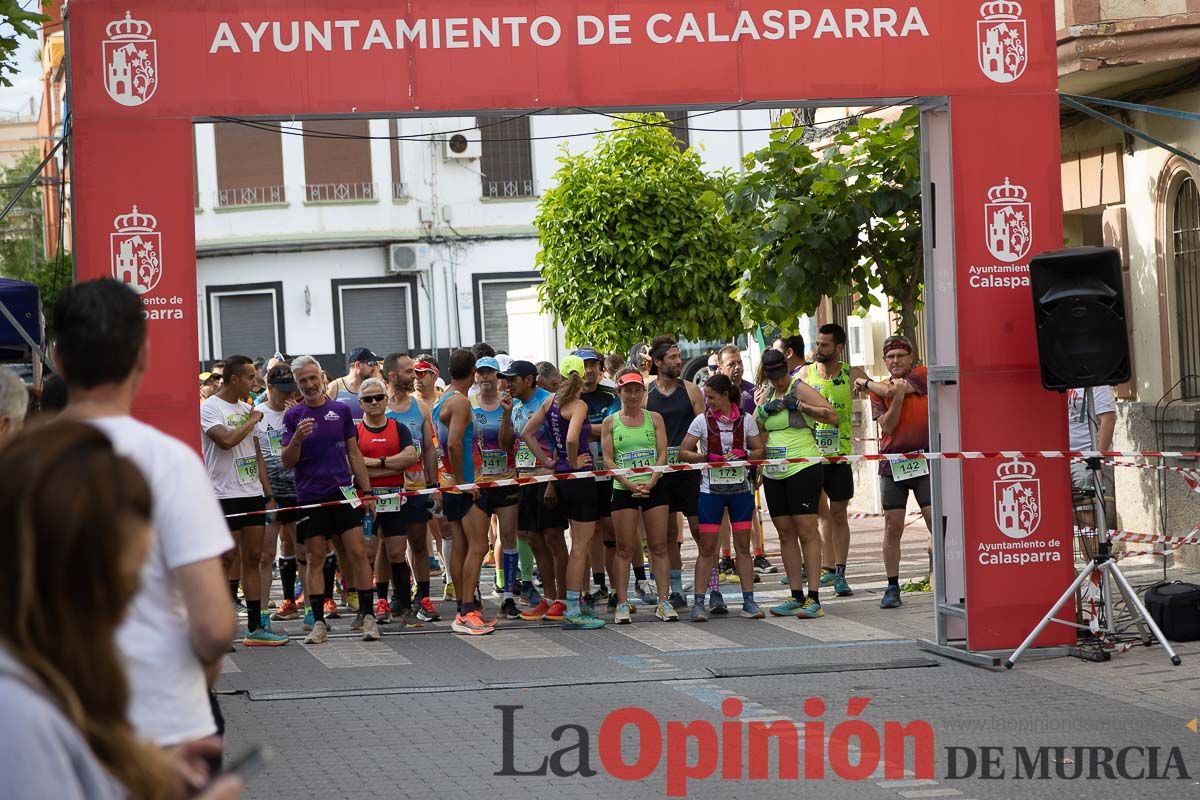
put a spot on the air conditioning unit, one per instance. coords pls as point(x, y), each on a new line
point(459, 145)
point(405, 258)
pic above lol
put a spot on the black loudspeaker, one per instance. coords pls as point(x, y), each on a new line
point(1079, 311)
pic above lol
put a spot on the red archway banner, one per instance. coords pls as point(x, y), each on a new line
point(141, 73)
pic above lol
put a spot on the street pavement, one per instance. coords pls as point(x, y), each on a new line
point(417, 713)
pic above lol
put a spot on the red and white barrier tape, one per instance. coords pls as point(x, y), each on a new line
point(850, 459)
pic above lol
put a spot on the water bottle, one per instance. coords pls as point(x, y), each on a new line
point(368, 526)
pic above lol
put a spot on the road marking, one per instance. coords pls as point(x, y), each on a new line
point(670, 637)
point(227, 666)
point(913, 795)
point(346, 654)
point(830, 629)
point(511, 645)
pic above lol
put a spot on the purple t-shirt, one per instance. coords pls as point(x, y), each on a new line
point(748, 398)
point(322, 469)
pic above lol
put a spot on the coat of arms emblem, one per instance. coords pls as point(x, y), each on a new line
point(1007, 217)
point(136, 251)
point(1001, 41)
point(1018, 496)
point(130, 61)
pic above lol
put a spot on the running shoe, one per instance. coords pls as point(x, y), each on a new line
point(612, 601)
point(556, 612)
point(471, 624)
point(370, 629)
point(409, 618)
point(351, 602)
point(623, 614)
point(331, 609)
point(891, 597)
point(647, 597)
point(530, 595)
point(426, 612)
point(811, 609)
point(601, 593)
point(490, 559)
point(308, 620)
point(726, 566)
point(698, 614)
point(287, 610)
point(383, 613)
point(840, 587)
point(751, 610)
point(716, 602)
point(318, 635)
point(264, 637)
point(676, 600)
point(448, 592)
point(357, 625)
point(581, 622)
point(665, 612)
point(536, 613)
point(509, 610)
point(687, 587)
point(788, 608)
point(764, 567)
point(827, 577)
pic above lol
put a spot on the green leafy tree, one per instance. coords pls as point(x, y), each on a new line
point(634, 242)
point(23, 25)
point(842, 221)
point(21, 236)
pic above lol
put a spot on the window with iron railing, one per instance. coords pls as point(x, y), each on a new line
point(507, 158)
point(249, 164)
point(1185, 230)
point(399, 192)
point(337, 161)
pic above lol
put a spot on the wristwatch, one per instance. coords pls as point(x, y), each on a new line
point(383, 462)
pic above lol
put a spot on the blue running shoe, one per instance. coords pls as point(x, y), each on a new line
point(891, 598)
point(751, 610)
point(581, 622)
point(811, 609)
point(788, 608)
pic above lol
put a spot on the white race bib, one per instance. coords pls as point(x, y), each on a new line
point(672, 455)
point(247, 470)
point(351, 495)
point(776, 469)
point(495, 462)
point(828, 440)
point(636, 458)
point(907, 468)
point(525, 457)
point(385, 505)
point(275, 441)
point(726, 476)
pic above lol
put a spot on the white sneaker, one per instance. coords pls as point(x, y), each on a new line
point(665, 612)
point(370, 629)
point(319, 633)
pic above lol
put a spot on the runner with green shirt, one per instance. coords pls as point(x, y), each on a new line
point(787, 412)
point(834, 379)
point(636, 437)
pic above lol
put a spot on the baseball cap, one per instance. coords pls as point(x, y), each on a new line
point(280, 376)
point(487, 362)
point(519, 369)
point(571, 364)
point(205, 376)
point(362, 354)
point(774, 364)
point(425, 366)
point(588, 354)
point(897, 342)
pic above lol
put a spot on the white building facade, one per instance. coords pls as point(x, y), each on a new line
point(330, 240)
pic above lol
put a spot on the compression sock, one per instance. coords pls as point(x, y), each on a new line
point(572, 603)
point(381, 589)
point(526, 558)
point(287, 577)
point(317, 604)
point(402, 584)
point(330, 572)
point(511, 559)
point(366, 601)
point(253, 615)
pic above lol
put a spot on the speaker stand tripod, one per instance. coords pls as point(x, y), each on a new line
point(1103, 563)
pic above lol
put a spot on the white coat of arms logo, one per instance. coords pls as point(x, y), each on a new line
point(130, 61)
point(1018, 495)
point(136, 251)
point(1007, 217)
point(1001, 34)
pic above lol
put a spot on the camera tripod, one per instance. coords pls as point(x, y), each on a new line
point(1104, 563)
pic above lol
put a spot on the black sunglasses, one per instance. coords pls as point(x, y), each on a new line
point(375, 398)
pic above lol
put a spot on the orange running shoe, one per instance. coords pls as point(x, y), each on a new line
point(287, 610)
point(490, 559)
point(537, 613)
point(331, 609)
point(471, 624)
point(556, 612)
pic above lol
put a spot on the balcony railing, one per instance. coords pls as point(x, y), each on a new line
point(515, 188)
point(250, 196)
point(338, 192)
point(399, 191)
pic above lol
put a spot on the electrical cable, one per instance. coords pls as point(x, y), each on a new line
point(32, 177)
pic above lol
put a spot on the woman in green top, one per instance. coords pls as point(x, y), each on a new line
point(787, 412)
point(635, 437)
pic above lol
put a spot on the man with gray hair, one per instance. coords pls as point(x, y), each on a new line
point(14, 402)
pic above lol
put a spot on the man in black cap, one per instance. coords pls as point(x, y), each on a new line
point(362, 365)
